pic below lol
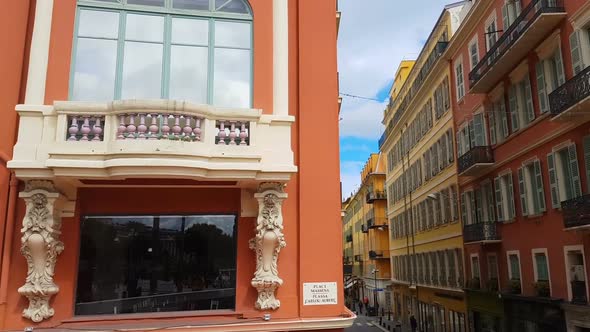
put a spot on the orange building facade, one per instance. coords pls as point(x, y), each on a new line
point(170, 164)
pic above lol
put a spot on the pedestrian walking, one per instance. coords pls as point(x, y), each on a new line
point(413, 323)
point(360, 307)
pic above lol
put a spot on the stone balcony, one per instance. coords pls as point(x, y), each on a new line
point(149, 139)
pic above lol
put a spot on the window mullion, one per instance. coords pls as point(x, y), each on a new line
point(166, 57)
point(120, 54)
point(211, 60)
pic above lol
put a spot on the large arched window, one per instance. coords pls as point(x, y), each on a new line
point(194, 50)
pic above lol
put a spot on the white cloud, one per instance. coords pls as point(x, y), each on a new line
point(350, 175)
point(362, 119)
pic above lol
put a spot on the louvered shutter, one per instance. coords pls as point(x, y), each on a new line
point(479, 130)
point(559, 65)
point(505, 17)
point(478, 204)
point(587, 161)
point(511, 205)
point(504, 119)
point(522, 192)
point(513, 107)
point(471, 129)
point(553, 184)
point(575, 47)
point(499, 199)
point(541, 87)
point(455, 209)
point(539, 186)
point(490, 202)
point(463, 208)
point(492, 120)
point(444, 159)
point(530, 110)
point(574, 171)
point(451, 150)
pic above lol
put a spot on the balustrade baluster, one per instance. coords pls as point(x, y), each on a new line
point(131, 127)
point(85, 129)
point(243, 134)
point(154, 126)
point(165, 126)
point(222, 133)
point(232, 133)
point(176, 128)
point(187, 130)
point(73, 130)
point(122, 127)
point(142, 128)
point(197, 130)
point(96, 129)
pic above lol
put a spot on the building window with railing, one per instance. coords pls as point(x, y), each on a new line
point(473, 52)
point(468, 207)
point(541, 272)
point(491, 32)
point(580, 49)
point(564, 174)
point(530, 184)
point(459, 78)
point(498, 121)
point(514, 271)
point(550, 75)
point(471, 134)
point(521, 103)
point(504, 187)
point(200, 51)
point(510, 12)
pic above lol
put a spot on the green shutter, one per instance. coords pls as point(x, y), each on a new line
point(499, 203)
point(553, 186)
point(530, 110)
point(472, 137)
point(587, 161)
point(478, 204)
point(455, 210)
point(504, 118)
point(511, 206)
point(490, 202)
point(513, 107)
point(450, 150)
point(478, 127)
point(559, 65)
point(492, 125)
point(575, 47)
point(463, 209)
point(574, 171)
point(505, 18)
point(542, 271)
point(542, 88)
point(539, 186)
point(522, 192)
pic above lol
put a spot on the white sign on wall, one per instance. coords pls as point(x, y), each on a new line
point(320, 293)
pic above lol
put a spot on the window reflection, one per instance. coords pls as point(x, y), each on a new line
point(232, 77)
point(156, 263)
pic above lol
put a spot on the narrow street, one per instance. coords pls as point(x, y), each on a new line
point(364, 324)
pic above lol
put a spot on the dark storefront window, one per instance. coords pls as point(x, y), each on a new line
point(134, 264)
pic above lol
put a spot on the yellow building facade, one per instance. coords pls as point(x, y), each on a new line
point(424, 224)
point(366, 237)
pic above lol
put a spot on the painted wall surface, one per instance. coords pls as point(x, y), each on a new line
point(311, 212)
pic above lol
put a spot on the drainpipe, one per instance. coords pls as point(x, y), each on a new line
point(8, 235)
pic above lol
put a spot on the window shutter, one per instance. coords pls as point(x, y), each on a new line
point(472, 141)
point(513, 107)
point(504, 119)
point(478, 206)
point(499, 203)
point(555, 201)
point(490, 202)
point(505, 18)
point(478, 129)
point(492, 125)
point(446, 93)
point(529, 99)
point(587, 160)
point(511, 197)
point(463, 209)
point(574, 171)
point(559, 65)
point(444, 158)
point(450, 150)
point(577, 61)
point(542, 88)
point(539, 186)
point(522, 191)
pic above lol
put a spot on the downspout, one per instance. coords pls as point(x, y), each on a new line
point(8, 236)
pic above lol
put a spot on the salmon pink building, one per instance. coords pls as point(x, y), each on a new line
point(520, 92)
point(170, 164)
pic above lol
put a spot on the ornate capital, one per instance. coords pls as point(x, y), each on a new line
point(40, 245)
point(267, 244)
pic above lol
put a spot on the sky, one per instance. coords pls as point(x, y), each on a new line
point(375, 35)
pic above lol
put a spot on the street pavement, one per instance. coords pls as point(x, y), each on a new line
point(364, 324)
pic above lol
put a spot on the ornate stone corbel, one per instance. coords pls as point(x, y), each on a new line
point(40, 245)
point(267, 243)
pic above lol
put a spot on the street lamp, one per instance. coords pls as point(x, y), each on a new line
point(375, 304)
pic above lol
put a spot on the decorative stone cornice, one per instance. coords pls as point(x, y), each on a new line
point(40, 245)
point(267, 244)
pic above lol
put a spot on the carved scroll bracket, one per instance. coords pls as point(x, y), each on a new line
point(40, 245)
point(267, 244)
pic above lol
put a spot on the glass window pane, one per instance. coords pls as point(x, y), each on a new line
point(188, 73)
point(94, 71)
point(94, 23)
point(191, 4)
point(190, 31)
point(132, 264)
point(144, 28)
point(232, 34)
point(232, 6)
point(159, 3)
point(232, 78)
point(142, 71)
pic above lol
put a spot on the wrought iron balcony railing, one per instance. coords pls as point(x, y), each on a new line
point(576, 212)
point(476, 155)
point(375, 195)
point(570, 93)
point(374, 254)
point(511, 35)
point(480, 232)
point(349, 238)
point(377, 222)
